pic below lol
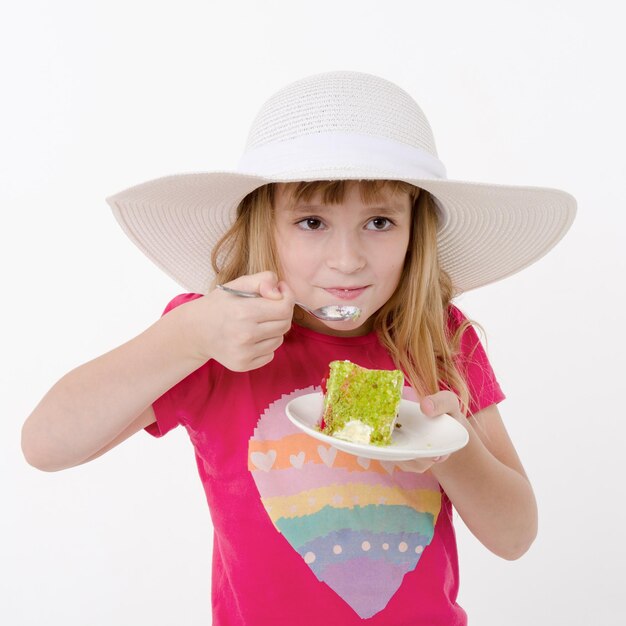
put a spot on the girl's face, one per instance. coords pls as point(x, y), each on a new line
point(348, 253)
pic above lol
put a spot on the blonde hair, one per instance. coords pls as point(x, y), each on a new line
point(413, 323)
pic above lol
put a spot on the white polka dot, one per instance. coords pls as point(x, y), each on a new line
point(385, 546)
point(403, 547)
point(337, 549)
point(365, 546)
point(419, 549)
point(309, 557)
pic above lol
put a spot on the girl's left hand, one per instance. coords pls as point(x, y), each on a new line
point(432, 406)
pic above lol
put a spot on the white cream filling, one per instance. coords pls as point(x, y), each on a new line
point(355, 431)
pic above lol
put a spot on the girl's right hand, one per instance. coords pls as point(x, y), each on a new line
point(243, 333)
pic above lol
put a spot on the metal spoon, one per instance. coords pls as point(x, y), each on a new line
point(329, 313)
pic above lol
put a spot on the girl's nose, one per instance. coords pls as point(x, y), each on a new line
point(345, 253)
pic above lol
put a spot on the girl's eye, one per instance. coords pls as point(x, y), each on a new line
point(310, 223)
point(379, 223)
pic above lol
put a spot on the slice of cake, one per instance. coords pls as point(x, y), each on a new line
point(361, 405)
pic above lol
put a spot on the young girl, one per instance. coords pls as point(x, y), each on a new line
point(339, 198)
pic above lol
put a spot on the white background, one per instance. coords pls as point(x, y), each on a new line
point(99, 97)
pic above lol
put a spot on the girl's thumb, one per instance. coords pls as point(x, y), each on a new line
point(269, 288)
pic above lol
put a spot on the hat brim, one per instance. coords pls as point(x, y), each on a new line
point(487, 232)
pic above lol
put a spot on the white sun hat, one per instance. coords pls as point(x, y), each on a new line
point(344, 125)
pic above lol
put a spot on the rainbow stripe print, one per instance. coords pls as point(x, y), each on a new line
point(360, 525)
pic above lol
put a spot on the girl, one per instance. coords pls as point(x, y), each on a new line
point(339, 198)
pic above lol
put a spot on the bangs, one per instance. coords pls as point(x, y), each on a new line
point(333, 191)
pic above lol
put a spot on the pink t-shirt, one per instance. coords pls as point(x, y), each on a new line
point(305, 534)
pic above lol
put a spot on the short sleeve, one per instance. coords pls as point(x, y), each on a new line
point(484, 389)
point(183, 403)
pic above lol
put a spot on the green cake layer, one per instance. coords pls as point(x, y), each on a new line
point(361, 405)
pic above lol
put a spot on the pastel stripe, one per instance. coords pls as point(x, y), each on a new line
point(297, 449)
point(365, 585)
point(298, 443)
point(294, 480)
point(375, 518)
point(346, 545)
point(349, 497)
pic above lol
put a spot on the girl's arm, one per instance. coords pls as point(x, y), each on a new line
point(486, 481)
point(94, 404)
point(99, 404)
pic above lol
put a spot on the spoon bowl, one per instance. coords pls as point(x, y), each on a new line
point(328, 313)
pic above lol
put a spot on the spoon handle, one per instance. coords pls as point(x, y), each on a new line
point(237, 292)
point(252, 294)
point(331, 313)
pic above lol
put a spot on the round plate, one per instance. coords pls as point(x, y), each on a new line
point(418, 437)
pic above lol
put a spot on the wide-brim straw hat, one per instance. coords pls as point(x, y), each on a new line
point(344, 125)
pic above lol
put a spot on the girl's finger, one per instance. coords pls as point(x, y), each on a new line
point(268, 287)
point(266, 346)
point(441, 459)
point(254, 283)
point(440, 403)
point(271, 329)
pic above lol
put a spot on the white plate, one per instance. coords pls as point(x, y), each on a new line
point(419, 436)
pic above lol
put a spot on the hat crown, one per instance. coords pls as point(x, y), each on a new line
point(349, 102)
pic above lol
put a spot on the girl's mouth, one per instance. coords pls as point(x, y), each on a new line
point(346, 293)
